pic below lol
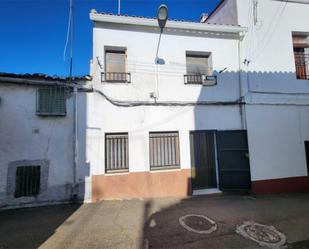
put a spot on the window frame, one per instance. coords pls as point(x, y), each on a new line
point(301, 58)
point(108, 168)
point(117, 78)
point(205, 79)
point(152, 165)
point(55, 89)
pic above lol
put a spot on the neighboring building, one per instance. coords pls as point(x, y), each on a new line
point(36, 145)
point(275, 79)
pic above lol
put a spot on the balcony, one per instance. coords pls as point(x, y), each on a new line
point(116, 77)
point(302, 65)
point(200, 79)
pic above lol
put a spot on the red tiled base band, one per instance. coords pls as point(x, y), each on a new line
point(283, 185)
point(142, 185)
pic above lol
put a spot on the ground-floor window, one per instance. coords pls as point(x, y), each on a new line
point(116, 152)
point(164, 150)
point(27, 181)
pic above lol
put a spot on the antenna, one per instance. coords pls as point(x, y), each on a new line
point(118, 7)
point(69, 36)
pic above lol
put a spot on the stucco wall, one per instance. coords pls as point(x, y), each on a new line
point(225, 14)
point(277, 111)
point(141, 44)
point(276, 137)
point(26, 136)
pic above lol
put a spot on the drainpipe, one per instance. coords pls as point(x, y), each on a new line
point(242, 108)
point(75, 142)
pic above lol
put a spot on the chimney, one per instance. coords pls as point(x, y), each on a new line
point(204, 17)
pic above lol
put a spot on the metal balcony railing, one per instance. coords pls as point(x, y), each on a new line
point(302, 65)
point(115, 77)
point(200, 79)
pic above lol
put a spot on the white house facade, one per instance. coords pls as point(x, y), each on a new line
point(154, 124)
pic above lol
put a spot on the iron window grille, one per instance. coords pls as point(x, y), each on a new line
point(116, 152)
point(51, 101)
point(27, 181)
point(164, 150)
point(302, 65)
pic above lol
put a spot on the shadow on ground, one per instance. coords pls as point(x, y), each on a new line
point(30, 227)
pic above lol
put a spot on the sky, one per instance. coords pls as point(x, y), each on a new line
point(33, 32)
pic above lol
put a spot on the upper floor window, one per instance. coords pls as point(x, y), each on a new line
point(51, 101)
point(301, 55)
point(116, 66)
point(199, 68)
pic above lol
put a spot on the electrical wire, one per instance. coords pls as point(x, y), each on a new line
point(120, 103)
point(68, 31)
point(259, 52)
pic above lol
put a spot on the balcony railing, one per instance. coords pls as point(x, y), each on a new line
point(116, 77)
point(200, 79)
point(302, 65)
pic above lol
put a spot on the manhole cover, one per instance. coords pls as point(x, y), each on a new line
point(264, 235)
point(198, 223)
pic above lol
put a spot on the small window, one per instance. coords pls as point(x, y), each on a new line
point(307, 154)
point(199, 68)
point(115, 66)
point(164, 150)
point(51, 100)
point(27, 181)
point(301, 55)
point(116, 152)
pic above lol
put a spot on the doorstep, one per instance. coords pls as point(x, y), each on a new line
point(207, 191)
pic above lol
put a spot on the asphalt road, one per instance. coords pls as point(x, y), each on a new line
point(154, 223)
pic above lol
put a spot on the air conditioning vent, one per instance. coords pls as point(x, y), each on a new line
point(209, 80)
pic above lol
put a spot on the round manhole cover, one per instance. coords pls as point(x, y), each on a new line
point(264, 235)
point(198, 223)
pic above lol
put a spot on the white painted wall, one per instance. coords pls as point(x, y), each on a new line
point(53, 142)
point(278, 119)
point(141, 44)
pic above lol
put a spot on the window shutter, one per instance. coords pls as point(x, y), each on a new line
point(197, 65)
point(51, 101)
point(115, 61)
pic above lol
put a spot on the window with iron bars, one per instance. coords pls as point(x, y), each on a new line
point(27, 181)
point(116, 152)
point(51, 101)
point(164, 150)
point(301, 55)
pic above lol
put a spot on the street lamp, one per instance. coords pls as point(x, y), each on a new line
point(162, 16)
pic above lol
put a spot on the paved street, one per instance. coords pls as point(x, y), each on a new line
point(154, 223)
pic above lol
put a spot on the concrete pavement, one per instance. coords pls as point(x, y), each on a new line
point(154, 223)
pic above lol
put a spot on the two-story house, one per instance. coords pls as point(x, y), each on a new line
point(165, 126)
